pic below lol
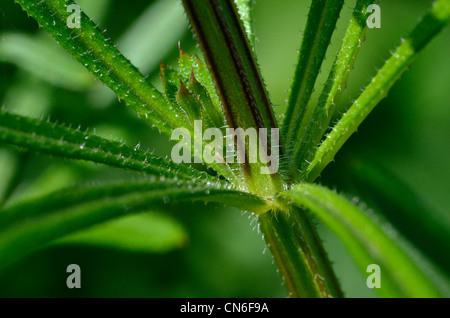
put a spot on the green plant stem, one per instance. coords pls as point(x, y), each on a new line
point(237, 78)
point(299, 255)
point(297, 251)
point(403, 56)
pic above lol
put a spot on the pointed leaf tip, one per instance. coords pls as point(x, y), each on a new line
point(182, 52)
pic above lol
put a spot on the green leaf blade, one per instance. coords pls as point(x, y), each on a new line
point(30, 225)
point(367, 241)
point(387, 76)
point(322, 19)
point(334, 85)
point(400, 205)
point(88, 45)
point(49, 138)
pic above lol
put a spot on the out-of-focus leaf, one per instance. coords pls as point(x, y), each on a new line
point(148, 232)
point(45, 60)
point(8, 166)
point(151, 36)
point(28, 96)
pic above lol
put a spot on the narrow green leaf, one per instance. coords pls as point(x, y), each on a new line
point(30, 225)
point(88, 45)
point(189, 106)
point(42, 57)
point(189, 103)
point(401, 206)
point(144, 44)
point(209, 113)
point(320, 25)
point(60, 141)
point(335, 84)
point(143, 233)
point(187, 64)
point(170, 81)
point(368, 241)
point(403, 56)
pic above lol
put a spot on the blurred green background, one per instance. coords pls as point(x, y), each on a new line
point(192, 250)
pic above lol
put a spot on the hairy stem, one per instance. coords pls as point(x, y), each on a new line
point(237, 79)
point(299, 255)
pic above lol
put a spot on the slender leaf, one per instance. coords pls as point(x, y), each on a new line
point(335, 84)
point(193, 64)
point(320, 25)
point(29, 225)
point(399, 204)
point(42, 57)
point(403, 56)
point(88, 45)
point(368, 242)
point(61, 141)
point(194, 103)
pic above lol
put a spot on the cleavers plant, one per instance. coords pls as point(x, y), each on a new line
point(227, 90)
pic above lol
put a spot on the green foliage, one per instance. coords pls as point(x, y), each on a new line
point(72, 143)
point(227, 90)
point(322, 19)
point(368, 241)
point(378, 88)
point(31, 224)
